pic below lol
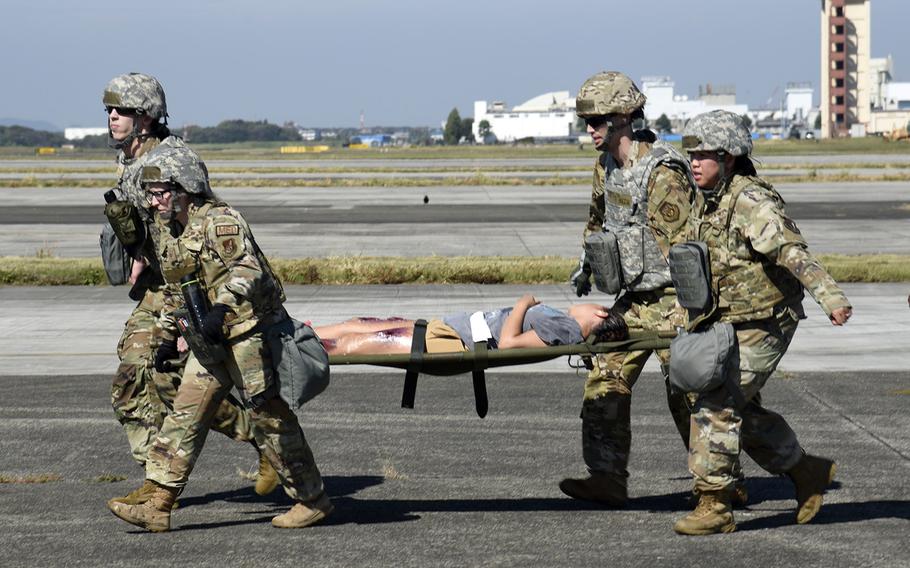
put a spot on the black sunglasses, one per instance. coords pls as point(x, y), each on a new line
point(121, 111)
point(596, 121)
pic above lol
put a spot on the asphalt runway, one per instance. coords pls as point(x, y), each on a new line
point(436, 486)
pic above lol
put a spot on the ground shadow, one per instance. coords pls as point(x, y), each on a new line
point(835, 513)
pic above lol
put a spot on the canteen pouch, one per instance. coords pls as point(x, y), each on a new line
point(124, 219)
point(602, 255)
point(690, 270)
point(117, 262)
point(703, 361)
point(299, 359)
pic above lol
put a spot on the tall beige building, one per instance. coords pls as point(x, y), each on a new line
point(845, 65)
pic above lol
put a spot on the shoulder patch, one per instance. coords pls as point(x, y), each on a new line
point(669, 212)
point(226, 230)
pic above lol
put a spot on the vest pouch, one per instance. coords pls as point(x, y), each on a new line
point(300, 361)
point(690, 270)
point(124, 219)
point(644, 267)
point(117, 263)
point(704, 361)
point(602, 255)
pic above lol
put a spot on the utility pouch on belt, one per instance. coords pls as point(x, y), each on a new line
point(117, 262)
point(125, 221)
point(690, 270)
point(299, 359)
point(703, 361)
point(190, 320)
point(602, 254)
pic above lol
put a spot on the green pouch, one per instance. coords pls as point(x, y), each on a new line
point(126, 223)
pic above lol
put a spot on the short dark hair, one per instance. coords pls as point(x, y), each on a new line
point(611, 328)
point(743, 166)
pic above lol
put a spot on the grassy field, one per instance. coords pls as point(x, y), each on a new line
point(32, 271)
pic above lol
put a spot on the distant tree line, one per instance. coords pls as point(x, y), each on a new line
point(240, 131)
point(22, 136)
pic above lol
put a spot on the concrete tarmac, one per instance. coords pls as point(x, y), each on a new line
point(850, 218)
point(74, 330)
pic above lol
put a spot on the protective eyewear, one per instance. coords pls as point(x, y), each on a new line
point(596, 122)
point(121, 111)
point(160, 195)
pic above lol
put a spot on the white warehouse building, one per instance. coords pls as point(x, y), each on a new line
point(547, 116)
point(662, 100)
point(78, 133)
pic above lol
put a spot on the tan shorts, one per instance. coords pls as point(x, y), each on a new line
point(441, 338)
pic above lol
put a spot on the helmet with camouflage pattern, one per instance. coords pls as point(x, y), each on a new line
point(608, 92)
point(178, 165)
point(136, 91)
point(717, 131)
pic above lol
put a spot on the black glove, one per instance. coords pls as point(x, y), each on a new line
point(580, 279)
point(213, 326)
point(166, 351)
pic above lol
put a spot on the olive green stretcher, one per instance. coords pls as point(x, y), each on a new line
point(482, 358)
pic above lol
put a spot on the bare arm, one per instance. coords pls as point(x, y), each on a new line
point(511, 336)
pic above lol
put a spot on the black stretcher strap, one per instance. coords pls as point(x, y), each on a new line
point(418, 346)
point(481, 402)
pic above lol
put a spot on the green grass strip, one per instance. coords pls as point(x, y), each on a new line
point(351, 270)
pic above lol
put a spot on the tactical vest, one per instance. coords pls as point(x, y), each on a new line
point(184, 255)
point(747, 285)
point(644, 266)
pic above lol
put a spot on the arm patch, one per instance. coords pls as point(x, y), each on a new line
point(669, 212)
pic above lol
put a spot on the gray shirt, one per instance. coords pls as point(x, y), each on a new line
point(554, 327)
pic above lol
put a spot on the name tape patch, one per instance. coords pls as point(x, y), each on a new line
point(226, 230)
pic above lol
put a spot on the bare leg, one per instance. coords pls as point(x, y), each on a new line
point(361, 325)
point(393, 340)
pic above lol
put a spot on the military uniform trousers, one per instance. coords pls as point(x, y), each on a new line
point(606, 408)
point(142, 397)
point(278, 433)
point(719, 431)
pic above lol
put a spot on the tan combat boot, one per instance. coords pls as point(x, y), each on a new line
point(267, 479)
point(154, 514)
point(712, 515)
point(603, 488)
point(136, 496)
point(811, 475)
point(302, 515)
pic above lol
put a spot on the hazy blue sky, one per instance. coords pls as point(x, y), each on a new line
point(403, 62)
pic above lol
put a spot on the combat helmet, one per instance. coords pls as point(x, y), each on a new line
point(177, 165)
point(137, 91)
point(608, 92)
point(717, 131)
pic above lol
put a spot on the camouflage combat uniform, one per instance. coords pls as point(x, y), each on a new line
point(760, 264)
point(606, 429)
point(140, 395)
point(217, 245)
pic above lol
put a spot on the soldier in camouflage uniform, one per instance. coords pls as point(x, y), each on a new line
point(641, 192)
point(141, 396)
point(209, 242)
point(760, 265)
